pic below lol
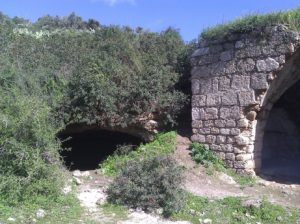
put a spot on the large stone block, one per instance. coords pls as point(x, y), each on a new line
point(196, 114)
point(230, 112)
point(259, 81)
point(213, 100)
point(246, 98)
point(229, 99)
point(198, 138)
point(246, 65)
point(211, 113)
point(240, 82)
point(267, 65)
point(224, 83)
point(206, 86)
point(198, 100)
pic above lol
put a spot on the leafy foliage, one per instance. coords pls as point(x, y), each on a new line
point(289, 18)
point(148, 183)
point(206, 157)
point(127, 78)
point(29, 160)
point(59, 71)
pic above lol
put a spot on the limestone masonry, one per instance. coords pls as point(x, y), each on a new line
point(235, 82)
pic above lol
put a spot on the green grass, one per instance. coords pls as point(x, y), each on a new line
point(164, 144)
point(289, 18)
point(230, 211)
point(65, 209)
point(212, 163)
point(119, 212)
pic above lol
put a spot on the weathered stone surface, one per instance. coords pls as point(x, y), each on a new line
point(198, 138)
point(220, 123)
point(221, 139)
point(206, 86)
point(239, 44)
point(211, 113)
point(224, 83)
point(259, 81)
point(230, 112)
point(235, 131)
point(226, 55)
point(267, 65)
point(213, 100)
point(209, 123)
point(225, 131)
point(210, 139)
point(229, 99)
point(243, 157)
point(242, 140)
point(198, 100)
point(240, 82)
point(230, 79)
point(214, 130)
point(197, 124)
point(230, 156)
point(243, 123)
point(246, 65)
point(196, 113)
point(230, 123)
point(246, 98)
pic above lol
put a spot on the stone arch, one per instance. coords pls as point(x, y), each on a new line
point(235, 81)
point(282, 81)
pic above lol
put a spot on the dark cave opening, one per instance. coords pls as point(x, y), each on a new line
point(88, 148)
point(281, 145)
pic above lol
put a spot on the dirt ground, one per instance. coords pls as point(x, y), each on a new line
point(91, 190)
point(220, 185)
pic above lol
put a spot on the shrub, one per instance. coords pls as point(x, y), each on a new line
point(149, 183)
point(206, 157)
point(29, 159)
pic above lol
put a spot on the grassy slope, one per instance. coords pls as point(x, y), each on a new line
point(163, 144)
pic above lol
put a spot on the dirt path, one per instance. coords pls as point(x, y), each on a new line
point(221, 185)
point(91, 191)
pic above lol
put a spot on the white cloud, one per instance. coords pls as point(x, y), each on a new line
point(114, 2)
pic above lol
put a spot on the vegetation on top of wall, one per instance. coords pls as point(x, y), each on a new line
point(291, 19)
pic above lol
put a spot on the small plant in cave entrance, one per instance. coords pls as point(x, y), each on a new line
point(149, 183)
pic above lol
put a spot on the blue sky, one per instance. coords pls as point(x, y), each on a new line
point(189, 16)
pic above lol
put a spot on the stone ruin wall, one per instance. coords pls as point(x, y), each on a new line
point(231, 78)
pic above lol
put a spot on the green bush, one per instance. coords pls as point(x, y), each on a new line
point(29, 150)
point(206, 157)
point(149, 183)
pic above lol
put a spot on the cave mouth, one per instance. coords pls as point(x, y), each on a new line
point(281, 143)
point(87, 149)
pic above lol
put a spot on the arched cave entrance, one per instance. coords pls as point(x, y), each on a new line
point(281, 140)
point(89, 147)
